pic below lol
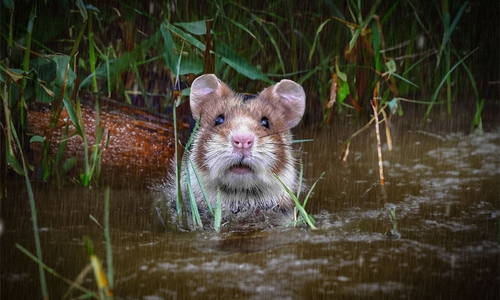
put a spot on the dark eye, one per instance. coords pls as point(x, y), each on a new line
point(264, 122)
point(219, 120)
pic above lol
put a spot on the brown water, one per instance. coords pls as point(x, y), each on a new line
point(443, 182)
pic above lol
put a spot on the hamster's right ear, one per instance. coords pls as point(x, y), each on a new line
point(204, 88)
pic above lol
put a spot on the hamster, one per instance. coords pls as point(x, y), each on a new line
point(241, 143)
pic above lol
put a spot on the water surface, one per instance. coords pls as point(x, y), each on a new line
point(443, 182)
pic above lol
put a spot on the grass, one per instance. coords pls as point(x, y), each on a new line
point(252, 45)
point(217, 211)
point(395, 228)
point(260, 37)
point(34, 218)
point(104, 280)
point(300, 207)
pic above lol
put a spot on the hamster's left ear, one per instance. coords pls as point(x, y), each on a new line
point(289, 96)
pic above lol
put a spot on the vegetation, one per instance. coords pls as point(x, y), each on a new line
point(52, 53)
point(130, 50)
point(103, 280)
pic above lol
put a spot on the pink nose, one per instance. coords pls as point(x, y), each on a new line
point(243, 141)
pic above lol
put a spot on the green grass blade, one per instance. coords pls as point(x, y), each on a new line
point(435, 95)
point(34, 219)
point(301, 177)
point(301, 210)
point(404, 79)
point(316, 37)
point(184, 36)
point(200, 184)
point(54, 273)
point(233, 59)
point(272, 40)
point(191, 137)
point(196, 27)
point(144, 92)
point(92, 57)
point(244, 28)
point(302, 141)
point(449, 30)
point(218, 213)
point(178, 163)
point(192, 201)
point(82, 9)
point(311, 189)
point(107, 237)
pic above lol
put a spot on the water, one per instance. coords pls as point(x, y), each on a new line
point(442, 182)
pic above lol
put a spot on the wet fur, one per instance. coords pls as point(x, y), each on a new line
point(257, 196)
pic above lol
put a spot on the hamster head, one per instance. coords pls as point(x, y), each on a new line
point(242, 141)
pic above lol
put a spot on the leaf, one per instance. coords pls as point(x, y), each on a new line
point(272, 40)
point(342, 76)
point(170, 52)
point(393, 103)
point(37, 138)
point(377, 43)
point(13, 163)
point(92, 8)
point(185, 36)
point(186, 92)
point(405, 80)
point(62, 65)
point(238, 63)
point(118, 65)
point(82, 9)
point(72, 115)
point(11, 158)
point(353, 40)
point(343, 91)
point(391, 66)
point(45, 68)
point(309, 220)
point(320, 28)
point(9, 4)
point(43, 93)
point(191, 64)
point(202, 187)
point(244, 28)
point(197, 27)
point(69, 164)
point(192, 200)
point(15, 74)
point(218, 213)
point(436, 92)
point(448, 32)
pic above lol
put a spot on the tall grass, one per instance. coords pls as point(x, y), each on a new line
point(252, 44)
point(249, 44)
point(300, 207)
point(34, 219)
point(104, 280)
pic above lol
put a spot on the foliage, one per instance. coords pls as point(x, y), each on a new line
point(53, 51)
point(128, 51)
point(104, 281)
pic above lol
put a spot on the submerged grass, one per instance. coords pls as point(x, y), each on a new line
point(104, 280)
point(300, 207)
point(218, 213)
point(104, 290)
point(252, 30)
point(192, 200)
point(71, 283)
point(34, 218)
point(394, 233)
